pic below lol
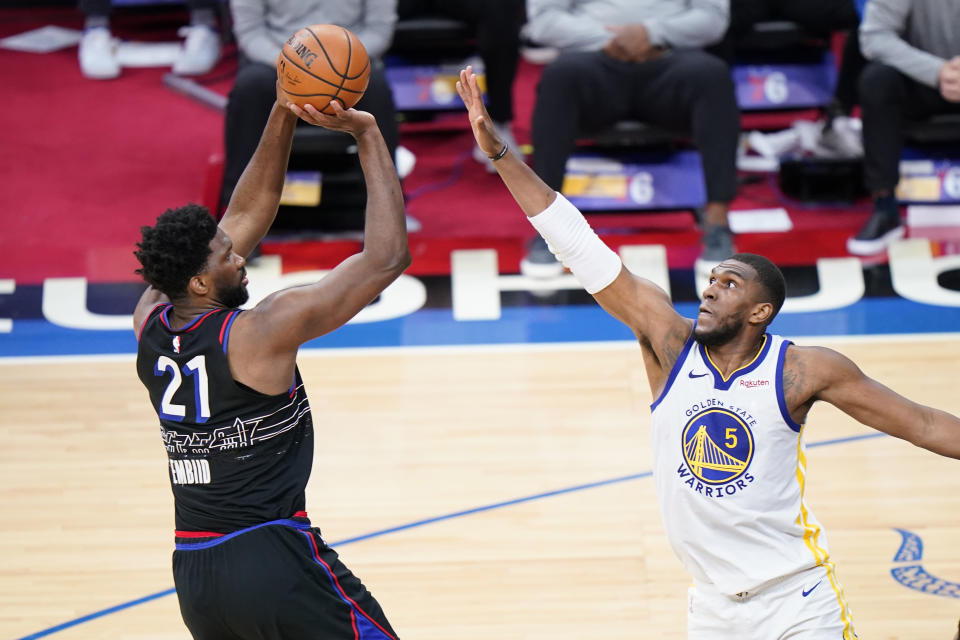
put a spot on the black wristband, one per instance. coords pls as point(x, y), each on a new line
point(500, 154)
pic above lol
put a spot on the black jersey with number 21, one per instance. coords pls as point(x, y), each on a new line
point(237, 457)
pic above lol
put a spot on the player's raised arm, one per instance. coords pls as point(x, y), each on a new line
point(635, 301)
point(256, 198)
point(819, 373)
point(284, 320)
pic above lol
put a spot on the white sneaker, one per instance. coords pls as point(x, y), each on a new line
point(413, 225)
point(405, 161)
point(775, 144)
point(845, 136)
point(98, 54)
point(505, 134)
point(200, 51)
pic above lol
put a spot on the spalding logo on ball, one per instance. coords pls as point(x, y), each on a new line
point(323, 62)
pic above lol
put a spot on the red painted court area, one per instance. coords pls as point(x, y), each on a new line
point(86, 163)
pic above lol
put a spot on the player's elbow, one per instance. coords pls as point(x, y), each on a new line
point(930, 432)
point(392, 262)
point(401, 261)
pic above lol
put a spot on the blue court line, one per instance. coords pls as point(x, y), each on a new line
point(412, 525)
point(98, 614)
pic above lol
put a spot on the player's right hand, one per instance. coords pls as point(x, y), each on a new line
point(483, 130)
point(349, 120)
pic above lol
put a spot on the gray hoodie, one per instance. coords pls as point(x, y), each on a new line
point(580, 25)
point(914, 36)
point(262, 26)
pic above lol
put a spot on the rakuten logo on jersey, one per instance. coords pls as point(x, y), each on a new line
point(751, 384)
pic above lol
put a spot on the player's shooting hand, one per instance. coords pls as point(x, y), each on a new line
point(472, 97)
point(350, 120)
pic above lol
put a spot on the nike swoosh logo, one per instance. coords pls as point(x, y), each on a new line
point(810, 590)
point(698, 375)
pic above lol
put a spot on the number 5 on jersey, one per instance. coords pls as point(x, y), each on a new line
point(177, 412)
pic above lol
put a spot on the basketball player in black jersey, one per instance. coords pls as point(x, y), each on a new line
point(234, 416)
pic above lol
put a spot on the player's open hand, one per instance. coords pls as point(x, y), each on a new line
point(350, 120)
point(472, 97)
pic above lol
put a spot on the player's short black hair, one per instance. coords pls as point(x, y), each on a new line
point(176, 248)
point(770, 277)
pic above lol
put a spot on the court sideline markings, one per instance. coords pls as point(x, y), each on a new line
point(419, 523)
point(482, 349)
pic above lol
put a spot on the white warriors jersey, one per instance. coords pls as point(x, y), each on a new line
point(730, 467)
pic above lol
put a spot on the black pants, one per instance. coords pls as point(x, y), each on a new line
point(248, 108)
point(888, 99)
point(687, 91)
point(274, 582)
point(819, 17)
point(102, 7)
point(497, 24)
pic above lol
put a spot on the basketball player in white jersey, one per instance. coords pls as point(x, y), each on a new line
point(730, 402)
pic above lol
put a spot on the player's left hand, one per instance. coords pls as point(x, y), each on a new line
point(487, 138)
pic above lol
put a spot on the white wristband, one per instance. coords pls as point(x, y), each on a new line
point(575, 244)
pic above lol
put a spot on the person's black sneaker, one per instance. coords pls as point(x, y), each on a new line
point(880, 231)
point(540, 261)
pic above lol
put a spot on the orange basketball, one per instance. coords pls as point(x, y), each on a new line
point(322, 62)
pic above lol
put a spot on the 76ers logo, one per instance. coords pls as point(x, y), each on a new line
point(717, 446)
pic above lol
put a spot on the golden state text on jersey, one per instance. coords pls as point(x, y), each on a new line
point(717, 446)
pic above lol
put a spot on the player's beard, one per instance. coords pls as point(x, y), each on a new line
point(233, 295)
point(723, 333)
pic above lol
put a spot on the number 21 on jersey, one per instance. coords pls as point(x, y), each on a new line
point(195, 368)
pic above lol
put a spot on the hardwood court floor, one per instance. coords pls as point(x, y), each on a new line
point(409, 435)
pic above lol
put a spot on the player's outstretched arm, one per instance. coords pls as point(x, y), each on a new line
point(288, 318)
point(256, 198)
point(635, 301)
point(829, 376)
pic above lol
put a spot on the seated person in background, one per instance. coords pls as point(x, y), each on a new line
point(635, 60)
point(820, 18)
point(199, 53)
point(913, 49)
point(497, 25)
point(261, 28)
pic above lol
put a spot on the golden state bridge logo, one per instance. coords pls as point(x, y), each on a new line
point(718, 447)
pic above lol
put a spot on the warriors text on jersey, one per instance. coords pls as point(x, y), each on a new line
point(730, 470)
point(237, 457)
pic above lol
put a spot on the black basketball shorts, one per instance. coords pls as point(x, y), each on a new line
point(272, 581)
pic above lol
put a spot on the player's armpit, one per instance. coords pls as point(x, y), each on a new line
point(148, 300)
